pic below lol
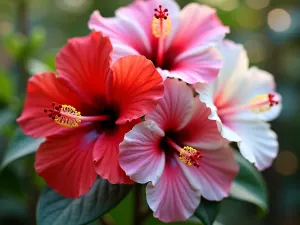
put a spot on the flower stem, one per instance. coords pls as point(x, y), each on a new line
point(140, 211)
point(22, 7)
point(106, 220)
point(22, 23)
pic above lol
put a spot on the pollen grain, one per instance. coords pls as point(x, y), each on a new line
point(189, 156)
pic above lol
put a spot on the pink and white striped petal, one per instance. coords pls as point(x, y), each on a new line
point(132, 26)
point(140, 155)
point(198, 24)
point(175, 109)
point(215, 175)
point(172, 198)
point(198, 64)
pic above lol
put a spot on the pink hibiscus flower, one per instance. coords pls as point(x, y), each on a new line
point(99, 101)
point(180, 43)
point(181, 153)
point(242, 100)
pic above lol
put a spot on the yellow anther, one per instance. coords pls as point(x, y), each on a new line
point(67, 116)
point(185, 155)
point(161, 28)
point(260, 103)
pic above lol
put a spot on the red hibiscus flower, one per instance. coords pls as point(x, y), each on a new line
point(100, 101)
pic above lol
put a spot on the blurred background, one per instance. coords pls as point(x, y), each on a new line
point(32, 32)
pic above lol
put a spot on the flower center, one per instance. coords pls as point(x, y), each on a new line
point(68, 116)
point(187, 154)
point(258, 104)
point(161, 28)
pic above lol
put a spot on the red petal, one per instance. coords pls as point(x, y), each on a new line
point(66, 162)
point(106, 153)
point(42, 90)
point(135, 87)
point(85, 63)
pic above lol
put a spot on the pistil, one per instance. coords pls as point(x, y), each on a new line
point(68, 116)
point(161, 27)
point(187, 154)
point(258, 104)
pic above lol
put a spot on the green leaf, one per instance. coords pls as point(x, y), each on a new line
point(36, 40)
point(55, 209)
point(20, 46)
point(7, 86)
point(10, 207)
point(20, 146)
point(35, 66)
point(14, 44)
point(207, 211)
point(249, 185)
point(7, 116)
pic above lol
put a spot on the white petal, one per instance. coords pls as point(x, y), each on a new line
point(231, 76)
point(257, 82)
point(259, 143)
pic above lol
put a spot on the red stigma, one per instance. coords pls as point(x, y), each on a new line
point(272, 102)
point(161, 13)
point(55, 111)
point(195, 157)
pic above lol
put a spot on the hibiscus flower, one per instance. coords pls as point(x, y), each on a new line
point(181, 44)
point(242, 100)
point(181, 153)
point(100, 101)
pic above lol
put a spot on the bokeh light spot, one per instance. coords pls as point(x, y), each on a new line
point(226, 5)
point(257, 4)
point(248, 18)
point(229, 5)
point(279, 20)
point(75, 6)
point(5, 27)
point(286, 163)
